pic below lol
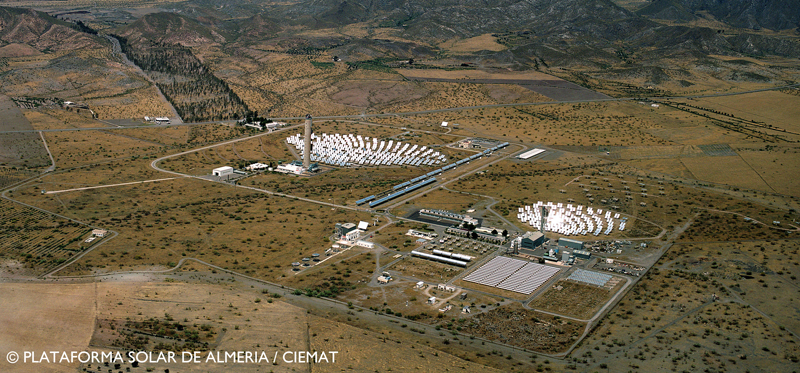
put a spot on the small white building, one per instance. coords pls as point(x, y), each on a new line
point(353, 235)
point(162, 120)
point(257, 167)
point(444, 124)
point(420, 285)
point(362, 225)
point(222, 171)
point(383, 280)
point(367, 244)
point(99, 232)
point(290, 169)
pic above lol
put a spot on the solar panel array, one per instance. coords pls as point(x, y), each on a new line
point(451, 165)
point(571, 220)
point(528, 278)
point(512, 274)
point(349, 150)
point(589, 277)
point(400, 192)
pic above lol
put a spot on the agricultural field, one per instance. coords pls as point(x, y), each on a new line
point(38, 240)
point(13, 175)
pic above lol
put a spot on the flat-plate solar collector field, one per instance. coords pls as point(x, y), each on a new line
point(512, 274)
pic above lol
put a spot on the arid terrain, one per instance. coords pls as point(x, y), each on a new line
point(117, 235)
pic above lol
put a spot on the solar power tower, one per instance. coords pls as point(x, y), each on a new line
point(544, 219)
point(307, 152)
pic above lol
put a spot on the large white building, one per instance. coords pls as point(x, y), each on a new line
point(222, 171)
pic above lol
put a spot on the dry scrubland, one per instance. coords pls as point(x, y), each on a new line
point(93, 76)
point(574, 299)
point(72, 149)
point(586, 124)
point(384, 351)
point(160, 223)
point(294, 85)
point(516, 182)
point(669, 322)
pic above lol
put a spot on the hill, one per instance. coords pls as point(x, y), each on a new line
point(751, 14)
point(41, 31)
point(171, 28)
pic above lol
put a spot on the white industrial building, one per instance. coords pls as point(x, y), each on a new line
point(222, 171)
point(531, 153)
point(367, 244)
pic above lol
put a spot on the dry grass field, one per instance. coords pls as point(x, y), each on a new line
point(395, 238)
point(19, 149)
point(759, 107)
point(50, 317)
point(726, 170)
point(217, 223)
point(484, 42)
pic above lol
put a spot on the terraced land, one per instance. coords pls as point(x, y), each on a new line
point(41, 241)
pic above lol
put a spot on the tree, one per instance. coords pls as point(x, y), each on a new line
point(505, 233)
point(494, 231)
point(474, 235)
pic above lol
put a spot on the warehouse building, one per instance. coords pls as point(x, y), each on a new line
point(222, 171)
point(531, 240)
point(573, 244)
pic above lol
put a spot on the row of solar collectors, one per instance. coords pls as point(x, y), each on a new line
point(439, 258)
point(594, 278)
point(449, 166)
point(536, 280)
point(447, 254)
point(365, 200)
point(494, 272)
point(401, 192)
point(488, 268)
point(528, 278)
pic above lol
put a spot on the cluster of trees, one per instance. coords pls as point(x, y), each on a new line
point(195, 92)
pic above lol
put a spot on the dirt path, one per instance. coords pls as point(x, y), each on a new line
point(52, 161)
point(111, 185)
